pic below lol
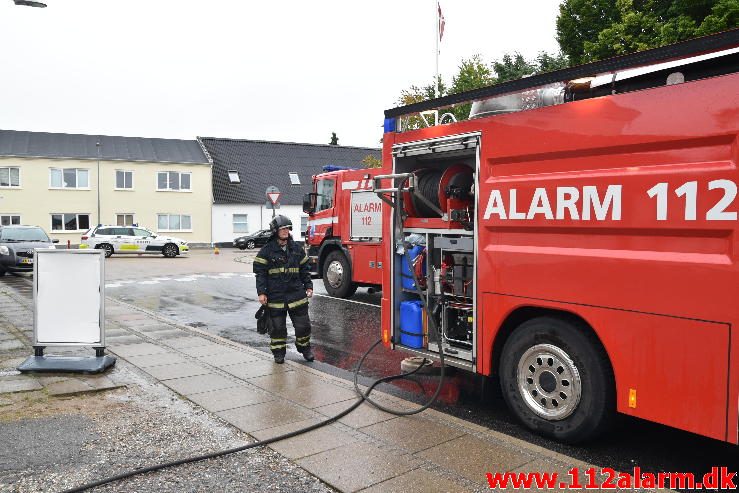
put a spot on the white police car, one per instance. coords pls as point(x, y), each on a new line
point(131, 239)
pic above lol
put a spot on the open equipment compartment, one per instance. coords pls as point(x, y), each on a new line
point(434, 203)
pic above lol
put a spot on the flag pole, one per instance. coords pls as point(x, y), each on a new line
point(436, 79)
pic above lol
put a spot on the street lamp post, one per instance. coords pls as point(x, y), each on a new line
point(29, 3)
point(97, 145)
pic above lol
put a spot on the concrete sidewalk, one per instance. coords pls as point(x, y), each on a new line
point(368, 450)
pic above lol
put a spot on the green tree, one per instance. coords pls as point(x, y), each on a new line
point(370, 161)
point(472, 74)
point(416, 94)
point(548, 63)
point(589, 30)
point(512, 67)
point(581, 20)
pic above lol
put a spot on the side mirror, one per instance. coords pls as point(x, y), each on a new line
point(55, 241)
point(309, 203)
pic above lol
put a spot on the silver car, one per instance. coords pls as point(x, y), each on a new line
point(17, 244)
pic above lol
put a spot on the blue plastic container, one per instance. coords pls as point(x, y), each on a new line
point(405, 274)
point(411, 324)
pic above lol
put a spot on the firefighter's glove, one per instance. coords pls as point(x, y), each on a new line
point(264, 321)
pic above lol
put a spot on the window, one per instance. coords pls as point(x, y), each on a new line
point(240, 224)
point(123, 180)
point(174, 222)
point(124, 219)
point(141, 232)
point(10, 177)
point(70, 222)
point(303, 225)
point(233, 176)
point(325, 198)
point(173, 180)
point(69, 178)
point(9, 219)
point(115, 232)
point(294, 179)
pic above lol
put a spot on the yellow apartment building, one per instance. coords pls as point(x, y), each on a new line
point(68, 183)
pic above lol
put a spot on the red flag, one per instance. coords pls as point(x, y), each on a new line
point(441, 22)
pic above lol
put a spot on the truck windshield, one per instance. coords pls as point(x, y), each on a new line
point(23, 234)
point(325, 194)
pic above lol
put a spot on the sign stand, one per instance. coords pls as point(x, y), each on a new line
point(273, 194)
point(68, 310)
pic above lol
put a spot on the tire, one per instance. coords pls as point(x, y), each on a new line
point(170, 250)
point(108, 249)
point(557, 379)
point(337, 275)
point(250, 245)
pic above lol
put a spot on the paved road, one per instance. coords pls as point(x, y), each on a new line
point(217, 294)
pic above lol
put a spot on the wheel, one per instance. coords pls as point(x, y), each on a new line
point(170, 250)
point(556, 378)
point(250, 244)
point(108, 249)
point(337, 275)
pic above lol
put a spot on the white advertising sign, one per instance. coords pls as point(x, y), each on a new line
point(366, 209)
point(69, 294)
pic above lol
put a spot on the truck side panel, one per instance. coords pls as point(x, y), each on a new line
point(655, 359)
point(626, 203)
point(364, 263)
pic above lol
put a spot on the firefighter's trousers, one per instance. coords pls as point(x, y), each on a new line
point(301, 322)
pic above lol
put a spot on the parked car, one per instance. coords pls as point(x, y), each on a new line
point(17, 244)
point(128, 239)
point(258, 239)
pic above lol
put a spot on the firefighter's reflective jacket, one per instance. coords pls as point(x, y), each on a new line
point(282, 275)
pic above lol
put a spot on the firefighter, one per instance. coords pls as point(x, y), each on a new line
point(284, 285)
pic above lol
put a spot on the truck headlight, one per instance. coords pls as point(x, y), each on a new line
point(4, 250)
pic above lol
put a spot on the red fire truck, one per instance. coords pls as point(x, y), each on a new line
point(580, 239)
point(344, 230)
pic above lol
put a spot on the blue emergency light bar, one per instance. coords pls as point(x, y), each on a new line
point(333, 167)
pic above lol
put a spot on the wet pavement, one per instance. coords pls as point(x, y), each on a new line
point(216, 294)
point(242, 387)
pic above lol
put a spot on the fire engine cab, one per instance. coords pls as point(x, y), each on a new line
point(577, 237)
point(344, 230)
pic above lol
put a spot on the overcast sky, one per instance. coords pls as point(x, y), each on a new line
point(288, 71)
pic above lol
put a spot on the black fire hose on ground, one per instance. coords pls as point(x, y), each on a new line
point(363, 396)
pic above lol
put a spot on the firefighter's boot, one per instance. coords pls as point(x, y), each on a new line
point(279, 358)
point(308, 354)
